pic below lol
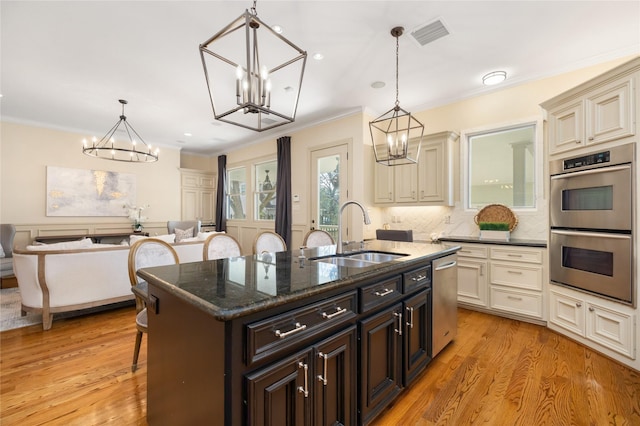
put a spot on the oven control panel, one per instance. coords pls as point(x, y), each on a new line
point(587, 160)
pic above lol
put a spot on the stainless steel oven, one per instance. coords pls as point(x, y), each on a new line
point(591, 216)
point(593, 191)
point(598, 262)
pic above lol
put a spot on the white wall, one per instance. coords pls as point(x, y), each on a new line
point(25, 153)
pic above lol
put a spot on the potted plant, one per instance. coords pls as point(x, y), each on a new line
point(494, 231)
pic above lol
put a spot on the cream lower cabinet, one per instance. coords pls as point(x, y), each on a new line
point(198, 195)
point(591, 319)
point(502, 279)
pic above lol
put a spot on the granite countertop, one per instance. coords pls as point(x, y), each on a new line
point(511, 242)
point(234, 287)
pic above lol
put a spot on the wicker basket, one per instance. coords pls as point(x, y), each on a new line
point(497, 213)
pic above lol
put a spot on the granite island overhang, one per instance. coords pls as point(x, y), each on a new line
point(276, 337)
point(224, 289)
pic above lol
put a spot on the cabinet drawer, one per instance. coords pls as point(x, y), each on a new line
point(265, 338)
point(513, 275)
point(420, 278)
point(473, 251)
point(518, 302)
point(517, 254)
point(379, 294)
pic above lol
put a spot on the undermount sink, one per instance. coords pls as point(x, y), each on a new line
point(360, 259)
point(374, 256)
point(345, 261)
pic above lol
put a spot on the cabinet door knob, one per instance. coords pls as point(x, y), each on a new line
point(591, 309)
point(578, 305)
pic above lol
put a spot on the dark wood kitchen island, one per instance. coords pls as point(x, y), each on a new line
point(280, 339)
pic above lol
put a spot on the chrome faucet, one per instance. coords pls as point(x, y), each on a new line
point(367, 221)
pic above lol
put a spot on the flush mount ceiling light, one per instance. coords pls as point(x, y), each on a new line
point(395, 130)
point(495, 77)
point(135, 150)
point(247, 79)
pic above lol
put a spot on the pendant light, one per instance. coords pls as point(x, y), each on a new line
point(396, 135)
point(253, 85)
point(135, 150)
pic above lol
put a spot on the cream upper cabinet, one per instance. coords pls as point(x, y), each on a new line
point(430, 182)
point(198, 195)
point(598, 111)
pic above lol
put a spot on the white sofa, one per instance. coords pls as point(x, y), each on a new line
point(53, 281)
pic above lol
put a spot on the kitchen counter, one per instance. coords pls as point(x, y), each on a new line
point(261, 339)
point(235, 287)
point(511, 242)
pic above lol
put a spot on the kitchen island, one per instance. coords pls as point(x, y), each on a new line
point(281, 338)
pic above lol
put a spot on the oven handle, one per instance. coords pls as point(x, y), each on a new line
point(591, 234)
point(591, 172)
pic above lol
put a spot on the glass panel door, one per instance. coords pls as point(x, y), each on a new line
point(329, 188)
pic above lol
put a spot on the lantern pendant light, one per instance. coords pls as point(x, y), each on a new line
point(396, 135)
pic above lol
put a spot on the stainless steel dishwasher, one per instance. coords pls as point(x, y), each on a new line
point(445, 301)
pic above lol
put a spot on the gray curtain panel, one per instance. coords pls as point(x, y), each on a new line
point(283, 193)
point(221, 211)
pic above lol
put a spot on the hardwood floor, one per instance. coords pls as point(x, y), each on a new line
point(497, 372)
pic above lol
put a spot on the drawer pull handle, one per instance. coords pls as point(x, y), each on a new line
point(515, 272)
point(514, 298)
point(419, 278)
point(384, 293)
point(514, 255)
point(399, 329)
point(339, 311)
point(410, 323)
point(305, 389)
point(323, 377)
point(298, 328)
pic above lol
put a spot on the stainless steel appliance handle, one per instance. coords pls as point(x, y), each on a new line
point(591, 234)
point(446, 266)
point(591, 172)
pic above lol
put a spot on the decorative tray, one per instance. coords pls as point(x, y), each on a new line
point(497, 213)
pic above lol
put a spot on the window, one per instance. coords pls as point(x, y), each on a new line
point(265, 194)
point(501, 167)
point(237, 193)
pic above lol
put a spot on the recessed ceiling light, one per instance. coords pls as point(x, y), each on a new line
point(277, 28)
point(378, 84)
point(187, 134)
point(318, 56)
point(494, 77)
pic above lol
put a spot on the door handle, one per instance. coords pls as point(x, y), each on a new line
point(323, 377)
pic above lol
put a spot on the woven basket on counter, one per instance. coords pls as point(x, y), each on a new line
point(497, 213)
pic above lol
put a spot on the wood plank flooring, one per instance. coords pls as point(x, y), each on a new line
point(497, 372)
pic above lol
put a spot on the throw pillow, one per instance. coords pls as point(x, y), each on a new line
point(67, 245)
point(181, 234)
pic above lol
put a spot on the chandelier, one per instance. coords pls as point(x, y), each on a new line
point(396, 134)
point(110, 149)
point(252, 85)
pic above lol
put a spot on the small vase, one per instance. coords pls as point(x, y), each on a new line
point(137, 227)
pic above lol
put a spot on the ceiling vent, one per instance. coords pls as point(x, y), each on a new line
point(430, 32)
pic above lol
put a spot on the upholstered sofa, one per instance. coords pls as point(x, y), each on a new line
point(54, 279)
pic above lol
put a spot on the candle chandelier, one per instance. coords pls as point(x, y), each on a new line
point(135, 150)
point(252, 85)
point(396, 134)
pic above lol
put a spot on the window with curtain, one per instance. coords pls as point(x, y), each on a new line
point(237, 193)
point(265, 190)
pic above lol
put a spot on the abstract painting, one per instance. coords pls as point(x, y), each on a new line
point(80, 192)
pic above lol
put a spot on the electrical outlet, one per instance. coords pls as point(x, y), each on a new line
point(447, 219)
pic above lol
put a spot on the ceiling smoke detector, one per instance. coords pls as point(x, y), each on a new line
point(430, 32)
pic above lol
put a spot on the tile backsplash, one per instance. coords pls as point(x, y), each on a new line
point(456, 221)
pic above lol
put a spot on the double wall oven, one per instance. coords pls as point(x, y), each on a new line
point(591, 217)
